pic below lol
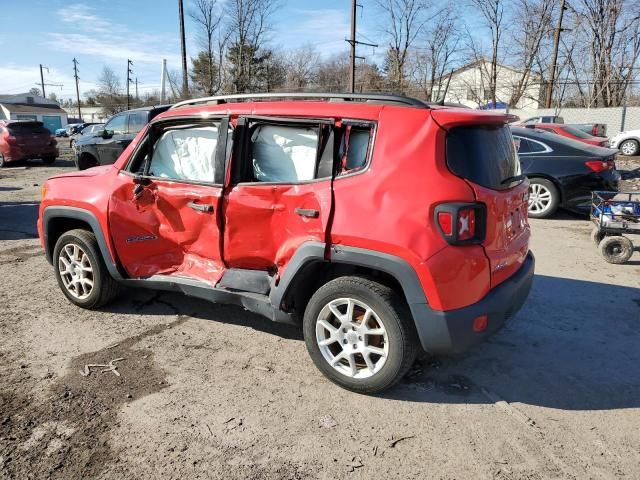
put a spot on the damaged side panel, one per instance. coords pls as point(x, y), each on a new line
point(265, 224)
point(161, 233)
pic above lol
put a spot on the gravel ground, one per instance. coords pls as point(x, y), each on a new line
point(209, 391)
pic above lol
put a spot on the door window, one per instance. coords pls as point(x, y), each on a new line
point(118, 124)
point(185, 153)
point(137, 121)
point(284, 154)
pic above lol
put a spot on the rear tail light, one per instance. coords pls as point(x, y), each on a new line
point(462, 223)
point(594, 131)
point(11, 139)
point(599, 165)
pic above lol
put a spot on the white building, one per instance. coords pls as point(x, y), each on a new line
point(25, 106)
point(469, 86)
point(89, 114)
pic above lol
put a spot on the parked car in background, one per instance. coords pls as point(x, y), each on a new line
point(562, 172)
point(25, 140)
point(627, 142)
point(541, 119)
point(86, 130)
point(61, 132)
point(446, 265)
point(570, 131)
point(595, 129)
point(105, 146)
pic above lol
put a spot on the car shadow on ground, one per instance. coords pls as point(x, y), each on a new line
point(573, 346)
point(60, 162)
point(18, 220)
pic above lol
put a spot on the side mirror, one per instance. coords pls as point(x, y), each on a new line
point(140, 182)
point(106, 133)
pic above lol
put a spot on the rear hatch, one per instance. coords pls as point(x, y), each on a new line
point(484, 155)
point(30, 137)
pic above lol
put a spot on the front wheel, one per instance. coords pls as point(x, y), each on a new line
point(359, 333)
point(544, 198)
point(630, 147)
point(80, 270)
point(617, 249)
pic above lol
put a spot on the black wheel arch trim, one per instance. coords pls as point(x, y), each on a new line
point(310, 252)
point(89, 218)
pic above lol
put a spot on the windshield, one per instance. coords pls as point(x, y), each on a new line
point(26, 127)
point(576, 132)
point(483, 154)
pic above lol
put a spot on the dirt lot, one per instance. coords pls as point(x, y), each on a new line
point(209, 391)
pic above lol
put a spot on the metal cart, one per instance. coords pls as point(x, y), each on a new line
point(615, 214)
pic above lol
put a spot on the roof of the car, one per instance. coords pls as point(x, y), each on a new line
point(146, 109)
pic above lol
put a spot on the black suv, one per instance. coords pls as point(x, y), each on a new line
point(105, 146)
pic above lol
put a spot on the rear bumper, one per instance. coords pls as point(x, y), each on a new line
point(16, 154)
point(451, 332)
point(578, 194)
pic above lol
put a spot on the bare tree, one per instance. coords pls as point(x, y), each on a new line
point(208, 64)
point(532, 25)
point(109, 91)
point(301, 67)
point(403, 22)
point(492, 13)
point(248, 24)
point(436, 54)
point(611, 32)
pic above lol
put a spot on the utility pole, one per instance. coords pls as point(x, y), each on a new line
point(353, 42)
point(163, 81)
point(75, 74)
point(129, 81)
point(183, 50)
point(42, 80)
point(136, 89)
point(554, 58)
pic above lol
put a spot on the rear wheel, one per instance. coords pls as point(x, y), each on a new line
point(359, 334)
point(81, 272)
point(543, 198)
point(617, 249)
point(630, 147)
point(86, 161)
point(48, 160)
point(2, 162)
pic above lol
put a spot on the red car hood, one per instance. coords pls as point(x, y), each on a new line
point(90, 172)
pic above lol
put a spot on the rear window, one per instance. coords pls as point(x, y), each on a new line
point(26, 128)
point(483, 154)
point(576, 132)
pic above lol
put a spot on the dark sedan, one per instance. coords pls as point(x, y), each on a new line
point(562, 172)
point(105, 146)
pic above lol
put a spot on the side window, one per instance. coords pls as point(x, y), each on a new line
point(537, 147)
point(137, 121)
point(354, 148)
point(521, 144)
point(185, 153)
point(285, 154)
point(118, 124)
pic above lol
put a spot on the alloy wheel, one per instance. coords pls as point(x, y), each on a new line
point(539, 198)
point(352, 338)
point(76, 271)
point(628, 148)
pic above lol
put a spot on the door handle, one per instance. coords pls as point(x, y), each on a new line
point(307, 212)
point(201, 207)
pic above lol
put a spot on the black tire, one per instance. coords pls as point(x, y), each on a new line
point(86, 160)
point(616, 249)
point(545, 186)
point(2, 162)
point(596, 235)
point(395, 318)
point(104, 288)
point(629, 147)
point(48, 160)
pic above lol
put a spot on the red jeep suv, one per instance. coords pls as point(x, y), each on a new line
point(379, 223)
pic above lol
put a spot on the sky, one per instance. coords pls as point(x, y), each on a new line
point(108, 32)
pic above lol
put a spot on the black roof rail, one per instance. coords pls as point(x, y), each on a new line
point(366, 97)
